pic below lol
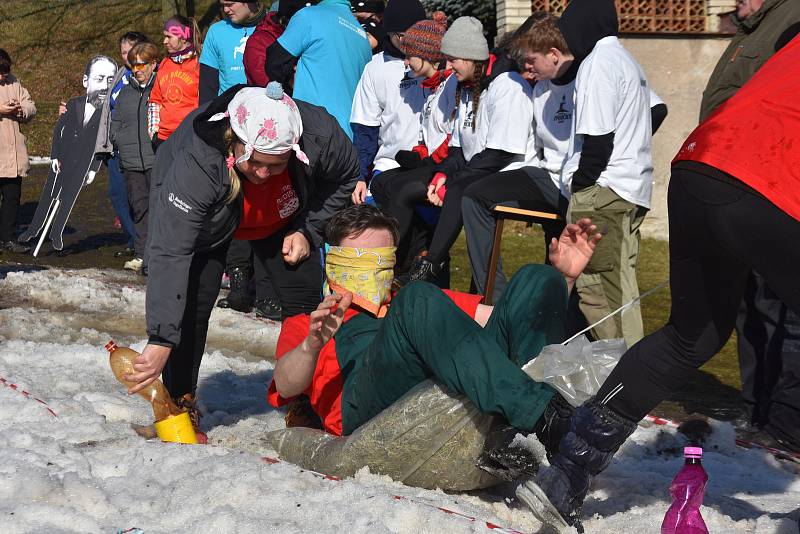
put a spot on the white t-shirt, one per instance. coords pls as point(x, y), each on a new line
point(505, 119)
point(385, 98)
point(438, 117)
point(612, 95)
point(553, 108)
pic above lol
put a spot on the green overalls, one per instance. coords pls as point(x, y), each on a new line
point(425, 335)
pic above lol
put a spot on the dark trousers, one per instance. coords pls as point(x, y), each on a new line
point(784, 408)
point(118, 194)
point(719, 232)
point(450, 221)
point(399, 192)
point(10, 191)
point(138, 186)
point(205, 276)
point(760, 333)
point(299, 287)
point(240, 256)
point(381, 359)
point(527, 188)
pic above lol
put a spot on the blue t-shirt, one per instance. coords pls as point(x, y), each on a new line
point(223, 49)
point(332, 50)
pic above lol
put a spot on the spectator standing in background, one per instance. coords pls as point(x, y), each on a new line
point(330, 50)
point(131, 142)
point(16, 107)
point(770, 377)
point(117, 191)
point(267, 32)
point(176, 89)
point(221, 63)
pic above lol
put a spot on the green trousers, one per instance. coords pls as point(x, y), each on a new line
point(425, 335)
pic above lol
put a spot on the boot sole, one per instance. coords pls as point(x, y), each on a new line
point(536, 499)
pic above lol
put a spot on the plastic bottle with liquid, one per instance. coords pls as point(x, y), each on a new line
point(171, 423)
point(687, 489)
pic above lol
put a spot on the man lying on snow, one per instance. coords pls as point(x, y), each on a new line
point(356, 354)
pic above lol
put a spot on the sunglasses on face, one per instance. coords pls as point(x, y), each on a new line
point(139, 66)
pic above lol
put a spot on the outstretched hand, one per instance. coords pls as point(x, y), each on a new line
point(571, 252)
point(326, 320)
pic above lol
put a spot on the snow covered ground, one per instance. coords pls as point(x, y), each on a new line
point(87, 471)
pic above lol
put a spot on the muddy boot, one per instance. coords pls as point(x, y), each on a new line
point(556, 495)
point(238, 298)
point(188, 404)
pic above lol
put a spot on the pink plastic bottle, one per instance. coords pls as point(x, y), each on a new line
point(687, 490)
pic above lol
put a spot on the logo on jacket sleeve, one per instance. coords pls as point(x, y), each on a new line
point(178, 203)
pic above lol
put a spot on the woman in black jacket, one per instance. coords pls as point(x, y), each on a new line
point(132, 142)
point(251, 163)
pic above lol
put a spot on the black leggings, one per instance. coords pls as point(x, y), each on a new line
point(183, 366)
point(298, 287)
point(450, 221)
point(719, 231)
point(398, 192)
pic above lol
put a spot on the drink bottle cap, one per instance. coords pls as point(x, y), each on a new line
point(111, 346)
point(692, 452)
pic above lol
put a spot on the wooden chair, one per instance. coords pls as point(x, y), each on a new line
point(501, 213)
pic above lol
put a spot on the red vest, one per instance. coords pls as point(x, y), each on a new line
point(755, 135)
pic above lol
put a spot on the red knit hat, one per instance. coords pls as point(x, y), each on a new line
point(424, 39)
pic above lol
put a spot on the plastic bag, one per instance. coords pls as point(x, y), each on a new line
point(429, 438)
point(576, 370)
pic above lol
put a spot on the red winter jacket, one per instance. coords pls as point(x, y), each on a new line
point(255, 52)
point(752, 135)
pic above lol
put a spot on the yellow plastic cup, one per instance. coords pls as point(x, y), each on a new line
point(176, 429)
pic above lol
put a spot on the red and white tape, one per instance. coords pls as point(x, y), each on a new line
point(26, 395)
point(489, 525)
point(792, 456)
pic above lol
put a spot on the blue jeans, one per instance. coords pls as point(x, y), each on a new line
point(118, 194)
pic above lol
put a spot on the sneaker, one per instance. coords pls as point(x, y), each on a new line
point(134, 265)
point(17, 248)
point(268, 309)
point(128, 252)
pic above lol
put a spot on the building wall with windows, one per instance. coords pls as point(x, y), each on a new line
point(677, 42)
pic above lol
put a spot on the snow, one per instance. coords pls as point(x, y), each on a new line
point(87, 471)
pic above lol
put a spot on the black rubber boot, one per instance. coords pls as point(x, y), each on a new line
point(238, 298)
point(556, 494)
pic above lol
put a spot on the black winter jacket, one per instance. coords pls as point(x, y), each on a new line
point(129, 127)
point(190, 185)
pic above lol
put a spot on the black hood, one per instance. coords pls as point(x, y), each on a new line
point(585, 22)
point(213, 133)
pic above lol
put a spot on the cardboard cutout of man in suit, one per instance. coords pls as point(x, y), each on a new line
point(75, 160)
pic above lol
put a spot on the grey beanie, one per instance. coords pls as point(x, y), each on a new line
point(465, 40)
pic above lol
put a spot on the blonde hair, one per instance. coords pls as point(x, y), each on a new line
point(236, 183)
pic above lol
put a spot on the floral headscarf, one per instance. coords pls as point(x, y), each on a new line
point(266, 121)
